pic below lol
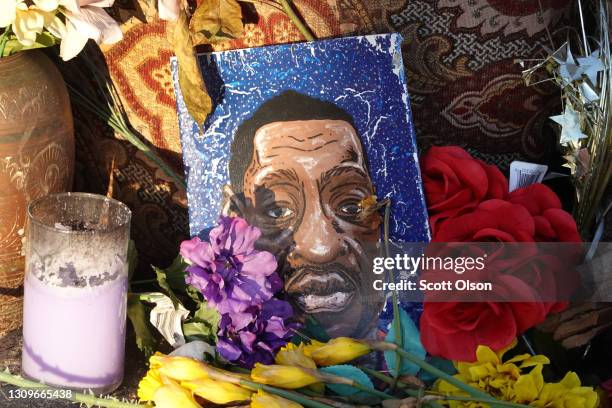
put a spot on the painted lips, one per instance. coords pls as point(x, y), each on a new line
point(321, 290)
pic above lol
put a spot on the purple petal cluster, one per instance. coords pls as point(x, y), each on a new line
point(257, 337)
point(240, 281)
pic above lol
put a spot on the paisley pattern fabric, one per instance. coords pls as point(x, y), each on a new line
point(459, 55)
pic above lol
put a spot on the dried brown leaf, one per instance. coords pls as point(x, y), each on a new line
point(192, 86)
point(216, 20)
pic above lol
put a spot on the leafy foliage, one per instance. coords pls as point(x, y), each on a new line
point(411, 342)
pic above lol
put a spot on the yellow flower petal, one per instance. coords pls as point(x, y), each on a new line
point(172, 395)
point(292, 355)
point(529, 386)
point(182, 368)
point(149, 384)
point(264, 400)
point(339, 351)
point(283, 376)
point(217, 392)
point(484, 354)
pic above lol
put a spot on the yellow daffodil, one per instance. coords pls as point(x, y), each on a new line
point(337, 351)
point(150, 383)
point(180, 368)
point(292, 355)
point(284, 376)
point(217, 392)
point(172, 395)
point(264, 400)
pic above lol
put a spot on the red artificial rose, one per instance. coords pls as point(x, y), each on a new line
point(454, 330)
point(491, 220)
point(455, 182)
point(552, 224)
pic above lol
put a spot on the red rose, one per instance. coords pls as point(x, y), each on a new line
point(491, 220)
point(454, 330)
point(552, 224)
point(455, 182)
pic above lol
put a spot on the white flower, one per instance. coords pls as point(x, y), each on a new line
point(30, 21)
point(8, 11)
point(86, 19)
point(168, 9)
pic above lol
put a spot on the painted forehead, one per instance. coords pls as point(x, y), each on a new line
point(308, 137)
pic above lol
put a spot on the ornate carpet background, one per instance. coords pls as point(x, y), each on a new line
point(465, 86)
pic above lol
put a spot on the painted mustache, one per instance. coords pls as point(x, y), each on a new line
point(319, 289)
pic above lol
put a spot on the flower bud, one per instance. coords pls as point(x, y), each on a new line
point(337, 351)
point(284, 376)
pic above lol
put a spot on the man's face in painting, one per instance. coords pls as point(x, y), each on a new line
point(305, 182)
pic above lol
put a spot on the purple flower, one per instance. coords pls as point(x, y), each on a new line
point(255, 335)
point(231, 274)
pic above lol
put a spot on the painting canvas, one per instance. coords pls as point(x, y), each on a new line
point(299, 138)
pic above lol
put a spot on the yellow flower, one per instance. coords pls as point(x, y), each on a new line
point(283, 376)
point(172, 395)
point(337, 351)
point(567, 393)
point(149, 384)
point(292, 355)
point(218, 392)
point(518, 380)
point(263, 400)
point(180, 368)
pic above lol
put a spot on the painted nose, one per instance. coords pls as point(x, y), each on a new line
point(316, 240)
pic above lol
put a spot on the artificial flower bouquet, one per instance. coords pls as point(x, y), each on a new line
point(26, 25)
point(254, 350)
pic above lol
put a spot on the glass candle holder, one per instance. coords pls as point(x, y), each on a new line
point(75, 291)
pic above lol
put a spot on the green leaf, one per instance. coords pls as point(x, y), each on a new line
point(438, 362)
point(43, 40)
point(204, 325)
point(411, 342)
point(347, 371)
point(172, 278)
point(137, 314)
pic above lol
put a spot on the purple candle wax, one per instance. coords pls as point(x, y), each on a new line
point(75, 337)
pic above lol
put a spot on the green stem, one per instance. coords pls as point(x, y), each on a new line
point(372, 391)
point(89, 400)
point(290, 395)
point(110, 118)
point(301, 26)
point(474, 392)
point(391, 381)
point(397, 323)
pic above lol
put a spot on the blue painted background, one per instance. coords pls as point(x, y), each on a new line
point(362, 75)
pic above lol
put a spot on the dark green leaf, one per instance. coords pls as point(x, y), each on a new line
point(172, 278)
point(138, 315)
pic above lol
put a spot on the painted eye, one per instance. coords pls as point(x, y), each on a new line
point(280, 212)
point(350, 209)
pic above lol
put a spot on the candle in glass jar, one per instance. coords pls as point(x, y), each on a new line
point(75, 292)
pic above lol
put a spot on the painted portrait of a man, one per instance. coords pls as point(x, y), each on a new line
point(300, 138)
point(300, 170)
